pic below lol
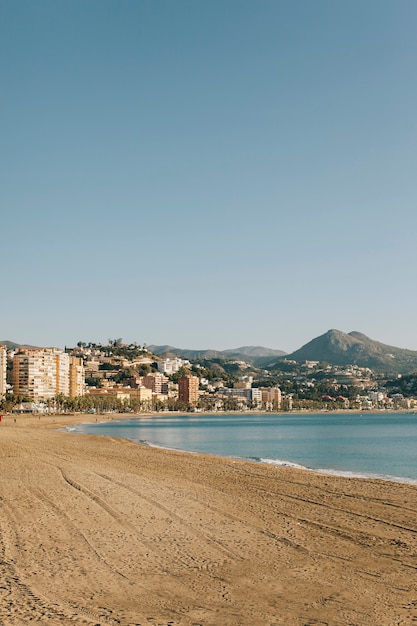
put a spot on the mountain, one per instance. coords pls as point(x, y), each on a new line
point(338, 348)
point(13, 346)
point(250, 354)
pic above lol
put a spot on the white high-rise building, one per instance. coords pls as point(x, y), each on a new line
point(41, 373)
point(3, 369)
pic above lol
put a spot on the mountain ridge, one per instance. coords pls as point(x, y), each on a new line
point(334, 347)
point(251, 354)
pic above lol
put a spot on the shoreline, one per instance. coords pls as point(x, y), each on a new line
point(64, 421)
point(100, 530)
point(105, 418)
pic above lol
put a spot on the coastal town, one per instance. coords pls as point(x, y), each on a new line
point(120, 377)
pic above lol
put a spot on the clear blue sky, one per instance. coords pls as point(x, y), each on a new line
point(208, 174)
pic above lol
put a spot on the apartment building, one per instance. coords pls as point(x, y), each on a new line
point(271, 398)
point(3, 370)
point(253, 394)
point(242, 384)
point(158, 383)
point(61, 372)
point(41, 374)
point(76, 377)
point(126, 394)
point(188, 389)
point(171, 366)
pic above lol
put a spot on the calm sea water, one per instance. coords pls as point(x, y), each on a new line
point(369, 445)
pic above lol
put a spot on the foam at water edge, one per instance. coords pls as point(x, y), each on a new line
point(350, 474)
point(74, 428)
point(343, 473)
point(283, 463)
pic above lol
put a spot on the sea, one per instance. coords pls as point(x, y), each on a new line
point(369, 445)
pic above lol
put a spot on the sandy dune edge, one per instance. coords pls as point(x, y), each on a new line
point(101, 531)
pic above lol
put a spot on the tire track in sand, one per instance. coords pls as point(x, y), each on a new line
point(209, 539)
point(22, 602)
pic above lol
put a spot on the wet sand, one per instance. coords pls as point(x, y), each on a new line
point(97, 530)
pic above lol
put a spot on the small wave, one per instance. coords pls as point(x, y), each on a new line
point(149, 444)
point(343, 473)
point(75, 428)
point(281, 463)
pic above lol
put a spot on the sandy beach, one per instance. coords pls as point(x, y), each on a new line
point(98, 530)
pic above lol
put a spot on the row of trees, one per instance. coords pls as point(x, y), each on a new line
point(109, 403)
point(96, 404)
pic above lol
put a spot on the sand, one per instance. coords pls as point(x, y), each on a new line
point(97, 530)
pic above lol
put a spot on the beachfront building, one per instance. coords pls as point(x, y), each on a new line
point(62, 371)
point(76, 377)
point(3, 370)
point(253, 394)
point(271, 398)
point(41, 373)
point(125, 394)
point(188, 389)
